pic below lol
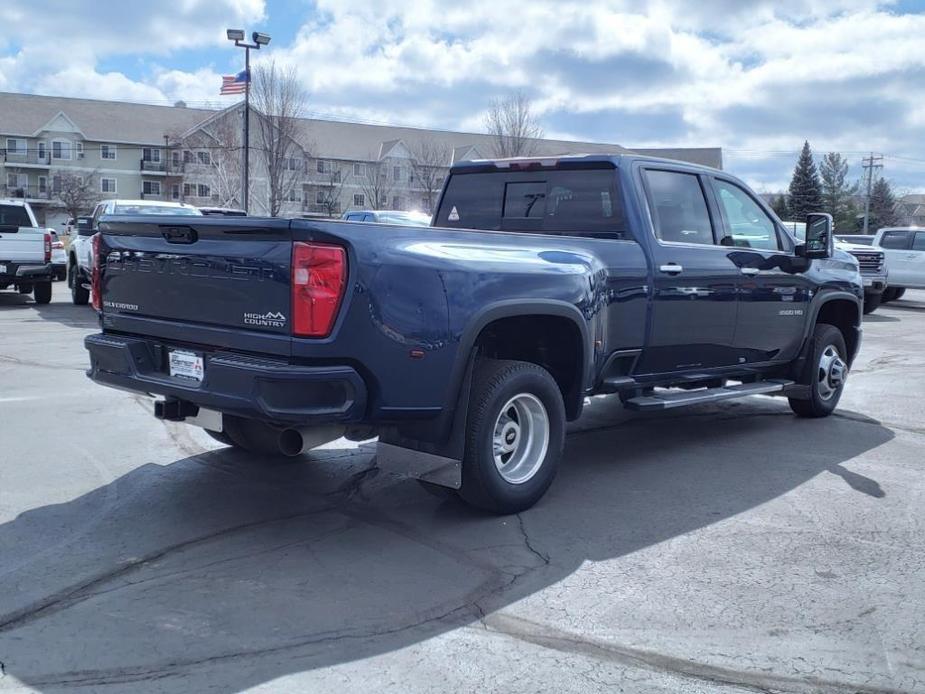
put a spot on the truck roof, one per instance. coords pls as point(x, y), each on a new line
point(552, 161)
point(13, 201)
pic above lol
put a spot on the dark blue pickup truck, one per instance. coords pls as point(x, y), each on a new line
point(465, 347)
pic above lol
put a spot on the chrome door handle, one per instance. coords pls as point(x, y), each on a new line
point(671, 268)
point(749, 270)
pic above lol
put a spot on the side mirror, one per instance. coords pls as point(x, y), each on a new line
point(820, 241)
point(83, 226)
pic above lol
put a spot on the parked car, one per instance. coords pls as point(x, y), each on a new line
point(222, 211)
point(58, 256)
point(25, 251)
point(905, 254)
point(80, 253)
point(871, 263)
point(388, 217)
point(467, 346)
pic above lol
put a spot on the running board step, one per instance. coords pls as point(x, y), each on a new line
point(668, 400)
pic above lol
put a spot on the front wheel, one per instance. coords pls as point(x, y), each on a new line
point(41, 292)
point(515, 433)
point(825, 373)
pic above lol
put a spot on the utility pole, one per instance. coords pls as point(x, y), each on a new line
point(258, 39)
point(870, 163)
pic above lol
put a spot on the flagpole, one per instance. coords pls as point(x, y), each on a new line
point(247, 128)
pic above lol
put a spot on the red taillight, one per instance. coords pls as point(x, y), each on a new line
point(319, 274)
point(96, 296)
point(47, 248)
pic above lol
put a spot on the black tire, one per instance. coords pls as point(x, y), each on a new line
point(41, 292)
point(899, 293)
point(495, 384)
point(79, 295)
point(818, 405)
point(60, 275)
point(888, 295)
point(871, 302)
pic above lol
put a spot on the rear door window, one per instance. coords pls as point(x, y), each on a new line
point(918, 241)
point(581, 202)
point(895, 239)
point(679, 208)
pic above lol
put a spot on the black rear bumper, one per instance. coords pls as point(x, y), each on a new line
point(252, 387)
point(16, 272)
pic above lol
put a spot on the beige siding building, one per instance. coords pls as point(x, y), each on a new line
point(129, 150)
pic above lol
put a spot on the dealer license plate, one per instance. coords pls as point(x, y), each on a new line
point(186, 365)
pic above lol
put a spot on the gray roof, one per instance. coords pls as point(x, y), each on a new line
point(116, 121)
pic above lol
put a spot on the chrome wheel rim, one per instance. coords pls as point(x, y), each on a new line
point(520, 438)
point(831, 373)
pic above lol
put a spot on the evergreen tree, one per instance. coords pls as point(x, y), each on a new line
point(779, 205)
point(805, 188)
point(836, 192)
point(882, 206)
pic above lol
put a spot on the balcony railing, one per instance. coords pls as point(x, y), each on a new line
point(147, 165)
point(31, 157)
point(321, 209)
point(26, 192)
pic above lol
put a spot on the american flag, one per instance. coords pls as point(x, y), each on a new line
point(235, 84)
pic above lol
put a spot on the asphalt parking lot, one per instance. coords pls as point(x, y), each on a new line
point(725, 548)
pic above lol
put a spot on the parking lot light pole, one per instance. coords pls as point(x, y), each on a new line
point(258, 39)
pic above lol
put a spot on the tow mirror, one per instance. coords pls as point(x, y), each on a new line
point(820, 242)
point(83, 226)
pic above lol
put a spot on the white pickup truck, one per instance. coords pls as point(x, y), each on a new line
point(904, 248)
point(25, 252)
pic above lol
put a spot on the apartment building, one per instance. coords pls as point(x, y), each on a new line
point(129, 150)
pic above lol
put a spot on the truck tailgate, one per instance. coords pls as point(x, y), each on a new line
point(208, 272)
point(22, 245)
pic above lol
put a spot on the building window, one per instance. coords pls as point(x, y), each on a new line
point(108, 185)
point(43, 184)
point(202, 190)
point(108, 152)
point(396, 202)
point(320, 198)
point(189, 190)
point(293, 196)
point(359, 169)
point(187, 157)
point(325, 166)
point(295, 164)
point(359, 200)
point(60, 149)
point(14, 146)
point(151, 187)
point(42, 149)
point(79, 150)
point(396, 173)
point(204, 158)
point(151, 154)
point(175, 191)
point(175, 158)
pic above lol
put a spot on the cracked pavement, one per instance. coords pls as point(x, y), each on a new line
point(726, 548)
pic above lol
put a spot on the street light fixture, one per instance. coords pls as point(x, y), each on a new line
point(259, 39)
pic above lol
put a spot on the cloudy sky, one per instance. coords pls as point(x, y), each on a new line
point(754, 77)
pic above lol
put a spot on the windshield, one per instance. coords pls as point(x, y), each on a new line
point(140, 208)
point(14, 216)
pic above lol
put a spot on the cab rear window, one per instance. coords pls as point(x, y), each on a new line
point(567, 202)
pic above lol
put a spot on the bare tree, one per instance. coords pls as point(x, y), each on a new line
point(330, 190)
point(430, 161)
point(77, 193)
point(224, 172)
point(512, 125)
point(278, 100)
point(377, 185)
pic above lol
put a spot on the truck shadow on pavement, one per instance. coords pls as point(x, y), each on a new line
point(221, 571)
point(58, 311)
